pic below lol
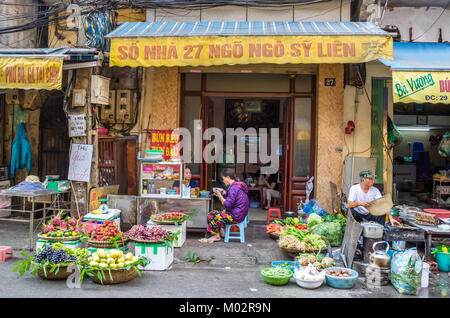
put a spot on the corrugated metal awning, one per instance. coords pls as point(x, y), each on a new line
point(419, 56)
point(190, 29)
point(229, 43)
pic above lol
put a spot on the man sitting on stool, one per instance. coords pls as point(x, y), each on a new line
point(360, 196)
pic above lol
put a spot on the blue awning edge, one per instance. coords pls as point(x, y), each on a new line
point(409, 56)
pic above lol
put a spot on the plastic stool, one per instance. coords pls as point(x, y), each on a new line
point(246, 221)
point(239, 236)
point(5, 252)
point(271, 217)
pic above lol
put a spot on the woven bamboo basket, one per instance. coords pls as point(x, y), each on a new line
point(59, 239)
point(107, 244)
point(118, 276)
point(147, 242)
point(63, 272)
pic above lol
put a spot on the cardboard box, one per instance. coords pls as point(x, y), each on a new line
point(173, 228)
point(160, 255)
point(71, 244)
point(113, 214)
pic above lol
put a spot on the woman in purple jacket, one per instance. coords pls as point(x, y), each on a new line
point(236, 206)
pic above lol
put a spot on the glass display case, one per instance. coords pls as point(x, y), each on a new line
point(158, 179)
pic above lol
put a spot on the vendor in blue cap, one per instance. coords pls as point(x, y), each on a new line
point(360, 196)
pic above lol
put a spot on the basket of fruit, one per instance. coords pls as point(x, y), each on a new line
point(112, 266)
point(107, 235)
point(60, 236)
point(52, 262)
point(153, 235)
point(62, 229)
point(170, 218)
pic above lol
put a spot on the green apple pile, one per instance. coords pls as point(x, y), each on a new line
point(112, 259)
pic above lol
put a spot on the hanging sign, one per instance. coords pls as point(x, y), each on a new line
point(230, 50)
point(77, 125)
point(80, 162)
point(167, 141)
point(421, 87)
point(31, 73)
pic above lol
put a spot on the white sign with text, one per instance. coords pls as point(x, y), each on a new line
point(80, 162)
point(77, 125)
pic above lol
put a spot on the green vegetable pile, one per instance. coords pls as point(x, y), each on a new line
point(277, 272)
point(316, 241)
point(295, 232)
point(313, 219)
point(330, 230)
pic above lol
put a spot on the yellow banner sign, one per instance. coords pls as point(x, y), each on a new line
point(222, 50)
point(31, 73)
point(421, 87)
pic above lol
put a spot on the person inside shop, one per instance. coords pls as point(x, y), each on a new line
point(360, 196)
point(236, 206)
point(188, 182)
point(271, 188)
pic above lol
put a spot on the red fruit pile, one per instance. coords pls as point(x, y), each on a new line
point(172, 216)
point(143, 233)
point(106, 231)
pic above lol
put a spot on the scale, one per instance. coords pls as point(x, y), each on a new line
point(103, 206)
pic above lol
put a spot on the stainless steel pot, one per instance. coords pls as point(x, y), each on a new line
point(372, 230)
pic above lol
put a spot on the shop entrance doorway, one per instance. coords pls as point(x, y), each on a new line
point(279, 101)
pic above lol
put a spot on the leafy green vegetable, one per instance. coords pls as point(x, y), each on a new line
point(328, 217)
point(295, 232)
point(331, 230)
point(314, 219)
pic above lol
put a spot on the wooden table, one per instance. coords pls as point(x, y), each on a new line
point(260, 189)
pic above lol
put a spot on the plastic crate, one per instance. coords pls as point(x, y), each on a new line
point(4, 173)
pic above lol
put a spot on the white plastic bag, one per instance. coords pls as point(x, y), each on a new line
point(406, 271)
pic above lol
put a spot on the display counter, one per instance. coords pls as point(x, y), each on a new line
point(200, 207)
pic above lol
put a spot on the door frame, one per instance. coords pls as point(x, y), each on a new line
point(289, 179)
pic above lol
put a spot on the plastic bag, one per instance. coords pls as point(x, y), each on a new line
point(331, 230)
point(406, 271)
point(444, 146)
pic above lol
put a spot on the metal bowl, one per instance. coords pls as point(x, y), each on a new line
point(290, 214)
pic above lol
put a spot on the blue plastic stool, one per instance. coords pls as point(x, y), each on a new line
point(246, 221)
point(231, 235)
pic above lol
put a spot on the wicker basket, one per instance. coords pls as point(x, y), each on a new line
point(107, 244)
point(147, 242)
point(118, 276)
point(63, 273)
point(59, 239)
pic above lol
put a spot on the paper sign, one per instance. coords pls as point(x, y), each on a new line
point(77, 125)
point(80, 162)
point(167, 141)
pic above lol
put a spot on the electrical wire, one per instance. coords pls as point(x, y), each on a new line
point(429, 28)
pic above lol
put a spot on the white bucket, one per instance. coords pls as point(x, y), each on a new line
point(425, 275)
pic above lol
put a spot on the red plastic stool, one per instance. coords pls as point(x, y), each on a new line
point(271, 217)
point(5, 252)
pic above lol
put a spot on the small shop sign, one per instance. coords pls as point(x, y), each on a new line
point(77, 125)
point(331, 82)
point(167, 141)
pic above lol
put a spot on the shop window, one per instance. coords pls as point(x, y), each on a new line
point(302, 137)
point(273, 83)
point(193, 82)
point(303, 83)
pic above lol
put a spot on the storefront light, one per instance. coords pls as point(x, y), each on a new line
point(414, 128)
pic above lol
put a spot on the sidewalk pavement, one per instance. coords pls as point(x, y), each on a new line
point(228, 270)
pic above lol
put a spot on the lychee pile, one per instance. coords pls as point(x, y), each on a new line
point(107, 230)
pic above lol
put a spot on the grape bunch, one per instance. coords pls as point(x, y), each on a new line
point(49, 254)
point(143, 233)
